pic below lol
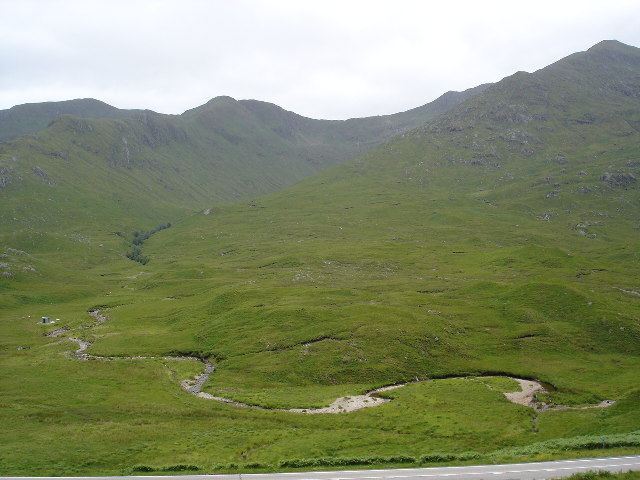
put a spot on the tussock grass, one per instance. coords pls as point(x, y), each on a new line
point(603, 474)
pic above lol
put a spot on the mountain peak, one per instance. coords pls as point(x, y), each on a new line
point(30, 117)
point(612, 45)
point(614, 50)
point(221, 100)
point(215, 103)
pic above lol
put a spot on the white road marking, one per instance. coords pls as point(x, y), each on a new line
point(329, 472)
point(503, 472)
point(544, 469)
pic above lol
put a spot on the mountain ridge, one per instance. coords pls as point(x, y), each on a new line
point(499, 239)
point(525, 195)
point(223, 151)
point(30, 117)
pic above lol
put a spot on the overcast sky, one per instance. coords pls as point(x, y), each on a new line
point(322, 59)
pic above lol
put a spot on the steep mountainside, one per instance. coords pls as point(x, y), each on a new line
point(31, 117)
point(499, 238)
point(148, 167)
point(68, 187)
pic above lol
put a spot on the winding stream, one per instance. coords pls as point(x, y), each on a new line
point(525, 396)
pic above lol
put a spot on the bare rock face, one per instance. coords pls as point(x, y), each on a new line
point(42, 175)
point(5, 178)
point(559, 159)
point(619, 180)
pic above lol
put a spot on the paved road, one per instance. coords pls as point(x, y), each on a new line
point(521, 471)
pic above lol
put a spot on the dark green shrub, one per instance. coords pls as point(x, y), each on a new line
point(467, 456)
point(256, 465)
point(591, 475)
point(135, 254)
point(436, 457)
point(180, 467)
point(400, 459)
point(143, 468)
point(343, 461)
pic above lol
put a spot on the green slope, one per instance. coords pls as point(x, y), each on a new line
point(220, 152)
point(31, 117)
point(500, 237)
point(68, 188)
point(505, 229)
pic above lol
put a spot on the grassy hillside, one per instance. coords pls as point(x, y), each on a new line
point(509, 238)
point(158, 164)
point(31, 117)
point(78, 189)
point(498, 238)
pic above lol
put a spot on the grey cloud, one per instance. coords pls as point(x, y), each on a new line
point(327, 59)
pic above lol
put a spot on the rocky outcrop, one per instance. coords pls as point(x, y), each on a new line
point(5, 179)
point(619, 180)
point(42, 175)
